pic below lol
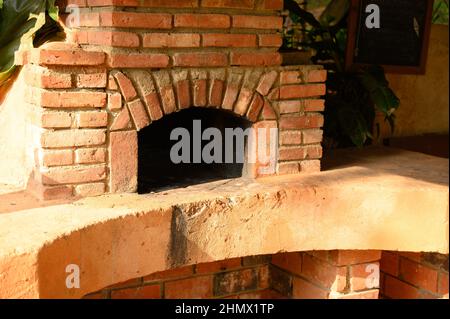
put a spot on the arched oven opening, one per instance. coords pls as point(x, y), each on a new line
point(191, 147)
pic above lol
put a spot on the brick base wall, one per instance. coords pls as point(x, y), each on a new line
point(414, 275)
point(300, 275)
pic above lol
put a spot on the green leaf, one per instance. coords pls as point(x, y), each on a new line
point(19, 22)
point(334, 13)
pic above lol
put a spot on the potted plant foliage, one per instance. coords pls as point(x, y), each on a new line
point(353, 98)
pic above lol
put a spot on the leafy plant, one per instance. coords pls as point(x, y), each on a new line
point(352, 97)
point(24, 24)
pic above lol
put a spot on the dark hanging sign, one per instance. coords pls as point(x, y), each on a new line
point(391, 33)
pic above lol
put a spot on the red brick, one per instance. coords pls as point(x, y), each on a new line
point(72, 138)
point(114, 101)
point(397, 289)
point(58, 99)
point(234, 4)
point(137, 60)
point(296, 77)
point(97, 295)
point(202, 21)
point(310, 166)
point(216, 93)
point(167, 4)
point(267, 82)
point(200, 59)
point(360, 273)
point(57, 158)
point(90, 190)
point(232, 282)
point(419, 275)
point(199, 88)
point(144, 292)
point(288, 168)
point(287, 107)
point(255, 107)
point(292, 154)
point(168, 99)
point(73, 174)
point(231, 94)
point(183, 94)
point(315, 105)
point(113, 38)
point(270, 40)
point(324, 274)
point(67, 57)
point(112, 85)
point(255, 58)
point(56, 120)
point(301, 91)
point(91, 80)
point(352, 257)
point(153, 106)
point(218, 266)
point(123, 156)
point(273, 4)
point(139, 114)
point(136, 20)
point(291, 262)
point(55, 192)
point(92, 119)
point(257, 22)
point(312, 136)
point(126, 86)
point(412, 256)
point(88, 20)
point(170, 274)
point(264, 277)
point(191, 288)
point(174, 40)
point(303, 289)
point(47, 79)
point(90, 155)
point(229, 40)
point(268, 113)
point(243, 101)
point(121, 121)
point(443, 284)
point(291, 138)
point(301, 122)
point(389, 263)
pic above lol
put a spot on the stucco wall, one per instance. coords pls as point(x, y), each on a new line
point(424, 98)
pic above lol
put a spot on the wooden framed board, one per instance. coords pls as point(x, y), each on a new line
point(392, 33)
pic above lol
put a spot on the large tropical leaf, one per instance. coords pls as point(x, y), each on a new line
point(334, 13)
point(19, 22)
point(381, 94)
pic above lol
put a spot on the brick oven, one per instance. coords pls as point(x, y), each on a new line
point(93, 116)
point(128, 65)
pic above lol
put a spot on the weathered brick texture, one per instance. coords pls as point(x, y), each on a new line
point(414, 275)
point(298, 275)
point(129, 63)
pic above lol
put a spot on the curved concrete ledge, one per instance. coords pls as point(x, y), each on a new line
point(381, 199)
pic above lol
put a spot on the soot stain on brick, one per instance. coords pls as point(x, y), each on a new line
point(178, 242)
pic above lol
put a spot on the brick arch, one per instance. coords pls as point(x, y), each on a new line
point(150, 95)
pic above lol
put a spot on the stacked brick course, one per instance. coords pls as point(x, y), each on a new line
point(414, 275)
